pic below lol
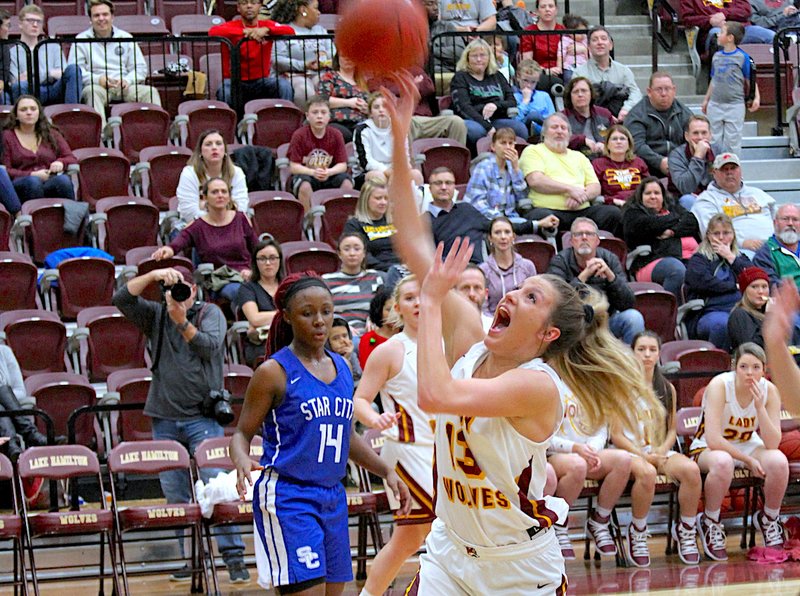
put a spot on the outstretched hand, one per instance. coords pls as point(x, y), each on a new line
point(779, 322)
point(444, 274)
point(401, 108)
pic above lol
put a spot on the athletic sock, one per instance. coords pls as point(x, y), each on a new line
point(602, 512)
point(712, 515)
point(772, 513)
point(365, 593)
point(639, 523)
point(689, 521)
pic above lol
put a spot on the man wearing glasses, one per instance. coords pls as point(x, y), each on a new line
point(59, 82)
point(657, 123)
point(780, 255)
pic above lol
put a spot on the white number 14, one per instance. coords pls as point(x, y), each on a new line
point(329, 440)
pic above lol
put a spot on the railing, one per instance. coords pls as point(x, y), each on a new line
point(786, 60)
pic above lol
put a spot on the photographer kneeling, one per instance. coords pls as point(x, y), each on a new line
point(186, 400)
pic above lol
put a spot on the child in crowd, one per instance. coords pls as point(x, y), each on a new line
point(317, 154)
point(533, 106)
point(340, 340)
point(501, 55)
point(732, 88)
point(573, 50)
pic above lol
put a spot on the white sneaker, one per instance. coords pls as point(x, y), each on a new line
point(771, 529)
point(562, 533)
point(636, 545)
point(600, 532)
point(685, 537)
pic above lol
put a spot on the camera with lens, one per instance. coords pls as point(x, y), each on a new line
point(180, 291)
point(217, 405)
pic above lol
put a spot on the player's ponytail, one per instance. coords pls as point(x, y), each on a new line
point(280, 332)
point(600, 370)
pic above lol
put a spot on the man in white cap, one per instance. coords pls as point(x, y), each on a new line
point(751, 209)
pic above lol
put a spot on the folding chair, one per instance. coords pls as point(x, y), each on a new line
point(61, 393)
point(147, 458)
point(130, 387)
point(11, 527)
point(211, 457)
point(107, 342)
point(236, 378)
point(18, 277)
point(67, 463)
point(38, 339)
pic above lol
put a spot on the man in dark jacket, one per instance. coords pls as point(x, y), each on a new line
point(5, 58)
point(690, 164)
point(585, 263)
point(657, 123)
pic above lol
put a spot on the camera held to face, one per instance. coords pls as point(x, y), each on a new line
point(217, 405)
point(180, 291)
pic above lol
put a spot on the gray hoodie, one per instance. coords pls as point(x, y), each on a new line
point(499, 281)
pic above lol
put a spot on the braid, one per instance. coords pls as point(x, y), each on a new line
point(280, 332)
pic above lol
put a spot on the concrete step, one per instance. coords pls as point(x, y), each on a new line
point(771, 169)
point(782, 190)
point(763, 148)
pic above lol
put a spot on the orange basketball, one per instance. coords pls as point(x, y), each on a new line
point(383, 36)
point(790, 445)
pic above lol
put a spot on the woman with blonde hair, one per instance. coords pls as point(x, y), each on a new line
point(498, 407)
point(482, 95)
point(711, 275)
point(392, 371)
point(210, 159)
point(373, 220)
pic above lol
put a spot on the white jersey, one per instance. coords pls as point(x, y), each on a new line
point(399, 395)
point(489, 478)
point(739, 425)
point(571, 430)
point(644, 416)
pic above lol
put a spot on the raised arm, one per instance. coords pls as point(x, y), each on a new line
point(413, 240)
point(777, 332)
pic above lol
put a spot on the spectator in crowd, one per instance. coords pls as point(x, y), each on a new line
point(533, 106)
point(750, 208)
point(651, 218)
point(340, 340)
point(482, 96)
point(210, 159)
point(619, 170)
point(35, 154)
point(544, 48)
point(5, 58)
point(191, 338)
point(710, 17)
point(373, 145)
point(657, 123)
point(8, 196)
point(573, 50)
point(256, 78)
point(747, 316)
point(478, 15)
point(585, 262)
point(450, 219)
point(425, 124)
point(690, 164)
point(589, 122)
point(317, 154)
point(302, 59)
point(562, 182)
point(222, 237)
point(353, 286)
point(59, 82)
point(256, 296)
point(732, 89)
point(711, 275)
point(445, 50)
point(111, 71)
point(346, 98)
point(496, 183)
point(504, 269)
point(504, 66)
point(615, 80)
point(382, 327)
point(14, 428)
point(774, 14)
point(779, 255)
point(472, 285)
point(373, 221)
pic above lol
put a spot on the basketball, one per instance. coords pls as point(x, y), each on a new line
point(790, 445)
point(383, 36)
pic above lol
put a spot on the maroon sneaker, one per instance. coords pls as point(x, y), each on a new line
point(712, 535)
point(771, 529)
point(636, 545)
point(685, 537)
point(598, 528)
point(564, 542)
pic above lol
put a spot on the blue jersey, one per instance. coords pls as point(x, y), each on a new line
point(307, 437)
